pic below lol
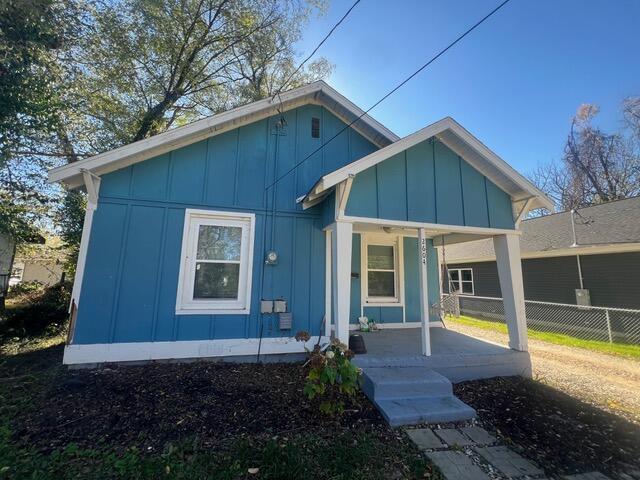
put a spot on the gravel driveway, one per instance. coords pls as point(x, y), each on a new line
point(607, 381)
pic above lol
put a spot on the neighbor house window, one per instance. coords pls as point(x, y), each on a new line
point(461, 281)
point(216, 263)
point(382, 272)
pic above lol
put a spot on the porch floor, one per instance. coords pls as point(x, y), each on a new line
point(456, 356)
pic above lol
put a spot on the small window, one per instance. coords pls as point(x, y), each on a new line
point(216, 263)
point(315, 127)
point(382, 274)
point(461, 281)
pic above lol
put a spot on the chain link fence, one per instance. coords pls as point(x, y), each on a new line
point(613, 325)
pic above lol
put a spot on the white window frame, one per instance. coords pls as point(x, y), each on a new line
point(185, 303)
point(460, 281)
point(386, 240)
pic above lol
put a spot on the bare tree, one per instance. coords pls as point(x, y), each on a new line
point(596, 166)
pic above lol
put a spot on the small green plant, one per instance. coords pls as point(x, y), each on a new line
point(332, 377)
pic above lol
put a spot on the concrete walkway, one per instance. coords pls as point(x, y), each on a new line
point(471, 453)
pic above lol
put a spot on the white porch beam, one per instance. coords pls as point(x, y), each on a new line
point(424, 294)
point(507, 248)
point(341, 240)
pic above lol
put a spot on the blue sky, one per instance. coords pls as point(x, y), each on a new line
point(515, 82)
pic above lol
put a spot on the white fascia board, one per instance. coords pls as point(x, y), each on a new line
point(446, 124)
point(315, 93)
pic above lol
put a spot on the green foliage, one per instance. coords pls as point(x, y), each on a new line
point(37, 311)
point(622, 349)
point(70, 217)
point(332, 377)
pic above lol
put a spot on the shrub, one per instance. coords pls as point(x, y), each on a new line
point(37, 312)
point(332, 377)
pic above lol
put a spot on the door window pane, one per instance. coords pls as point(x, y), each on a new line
point(381, 284)
point(216, 280)
point(380, 257)
point(219, 243)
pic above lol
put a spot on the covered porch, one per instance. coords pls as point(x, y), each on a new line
point(454, 355)
point(418, 338)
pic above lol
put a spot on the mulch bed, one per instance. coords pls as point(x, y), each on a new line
point(150, 405)
point(559, 432)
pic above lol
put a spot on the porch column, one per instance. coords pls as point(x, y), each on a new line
point(507, 248)
point(424, 293)
point(341, 239)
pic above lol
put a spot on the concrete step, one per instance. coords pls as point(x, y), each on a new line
point(411, 411)
point(411, 395)
point(404, 382)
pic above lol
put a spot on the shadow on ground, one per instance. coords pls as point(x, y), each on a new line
point(561, 433)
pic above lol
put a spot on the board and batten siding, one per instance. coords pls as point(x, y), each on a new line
point(131, 275)
point(410, 310)
point(429, 183)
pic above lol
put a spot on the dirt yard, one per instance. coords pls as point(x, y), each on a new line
point(606, 381)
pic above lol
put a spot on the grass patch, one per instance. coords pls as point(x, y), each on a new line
point(183, 421)
point(621, 349)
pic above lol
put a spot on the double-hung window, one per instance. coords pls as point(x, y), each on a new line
point(382, 273)
point(461, 281)
point(216, 263)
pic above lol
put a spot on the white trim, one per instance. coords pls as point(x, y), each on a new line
point(561, 252)
point(315, 93)
point(341, 243)
point(507, 248)
point(423, 283)
point(460, 281)
point(193, 218)
point(140, 351)
point(433, 228)
point(519, 187)
point(93, 185)
point(396, 242)
point(327, 283)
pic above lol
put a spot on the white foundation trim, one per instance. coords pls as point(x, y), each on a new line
point(141, 351)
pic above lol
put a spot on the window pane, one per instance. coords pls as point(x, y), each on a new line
point(466, 275)
point(216, 280)
point(467, 287)
point(454, 275)
point(219, 243)
point(454, 286)
point(381, 284)
point(380, 256)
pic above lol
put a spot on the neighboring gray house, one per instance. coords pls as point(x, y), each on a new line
point(599, 251)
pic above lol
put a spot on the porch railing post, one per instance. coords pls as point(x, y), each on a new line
point(424, 293)
point(507, 248)
point(341, 242)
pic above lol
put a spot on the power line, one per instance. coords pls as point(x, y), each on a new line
point(315, 50)
point(391, 92)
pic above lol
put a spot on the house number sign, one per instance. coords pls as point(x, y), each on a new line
point(423, 250)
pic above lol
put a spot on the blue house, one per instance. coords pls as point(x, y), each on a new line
point(226, 236)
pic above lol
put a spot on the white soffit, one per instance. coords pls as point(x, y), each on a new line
point(318, 93)
point(458, 139)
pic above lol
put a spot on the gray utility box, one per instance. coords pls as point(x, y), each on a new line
point(582, 297)
point(285, 320)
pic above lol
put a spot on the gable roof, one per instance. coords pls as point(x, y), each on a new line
point(458, 139)
point(598, 228)
point(318, 93)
